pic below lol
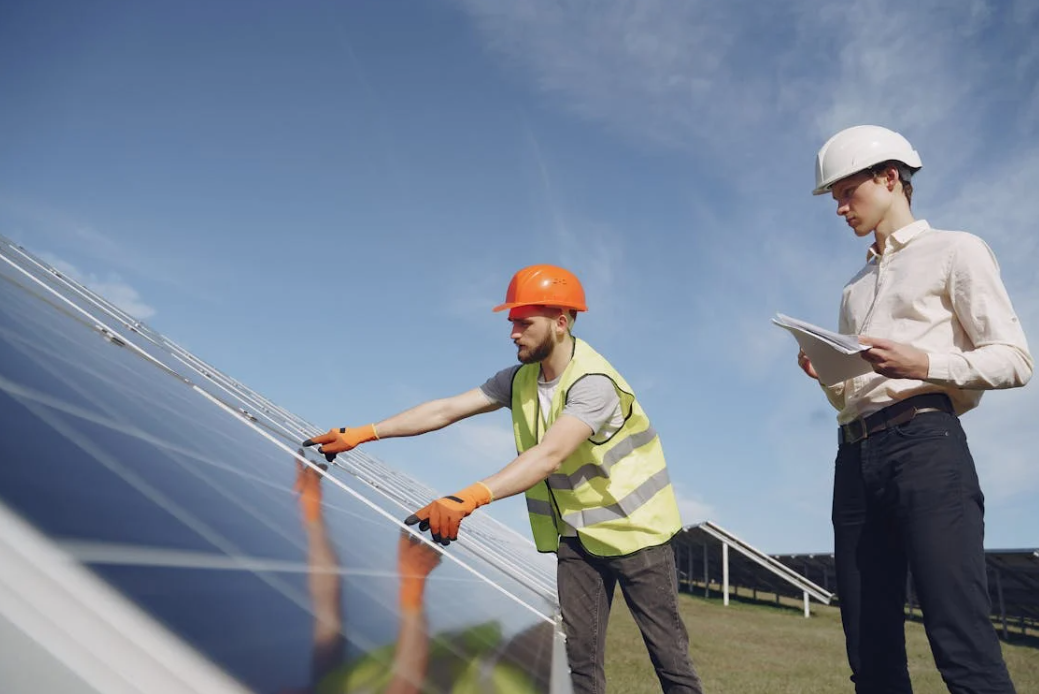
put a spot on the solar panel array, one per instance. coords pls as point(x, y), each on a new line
point(1013, 583)
point(159, 486)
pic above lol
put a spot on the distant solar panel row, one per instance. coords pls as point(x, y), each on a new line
point(1013, 581)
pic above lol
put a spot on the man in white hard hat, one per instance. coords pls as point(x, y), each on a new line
point(941, 330)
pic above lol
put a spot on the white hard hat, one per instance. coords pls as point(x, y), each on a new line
point(857, 149)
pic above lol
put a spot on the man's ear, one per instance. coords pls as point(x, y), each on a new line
point(563, 321)
point(891, 177)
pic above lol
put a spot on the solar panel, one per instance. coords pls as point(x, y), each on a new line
point(703, 557)
point(1014, 580)
point(496, 540)
point(1013, 583)
point(165, 488)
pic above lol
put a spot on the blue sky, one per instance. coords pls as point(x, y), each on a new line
point(326, 199)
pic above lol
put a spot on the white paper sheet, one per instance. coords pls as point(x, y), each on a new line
point(835, 357)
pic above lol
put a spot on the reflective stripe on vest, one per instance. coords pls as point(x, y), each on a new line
point(623, 508)
point(590, 471)
point(615, 494)
point(539, 506)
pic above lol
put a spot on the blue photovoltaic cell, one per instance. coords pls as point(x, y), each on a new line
point(192, 514)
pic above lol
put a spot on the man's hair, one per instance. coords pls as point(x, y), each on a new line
point(905, 176)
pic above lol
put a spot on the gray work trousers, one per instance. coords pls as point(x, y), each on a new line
point(649, 583)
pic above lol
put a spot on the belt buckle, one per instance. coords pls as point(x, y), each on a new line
point(855, 430)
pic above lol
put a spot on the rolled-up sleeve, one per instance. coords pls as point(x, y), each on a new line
point(999, 357)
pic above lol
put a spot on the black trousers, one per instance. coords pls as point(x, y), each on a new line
point(649, 583)
point(908, 497)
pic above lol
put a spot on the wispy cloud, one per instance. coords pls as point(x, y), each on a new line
point(999, 201)
point(53, 228)
point(755, 88)
point(888, 51)
point(649, 69)
point(111, 287)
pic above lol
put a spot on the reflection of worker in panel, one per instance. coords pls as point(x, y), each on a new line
point(594, 474)
point(399, 673)
point(323, 579)
point(472, 660)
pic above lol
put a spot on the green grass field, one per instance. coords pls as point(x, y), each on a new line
point(751, 648)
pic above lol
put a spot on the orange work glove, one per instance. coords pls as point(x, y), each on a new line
point(342, 440)
point(308, 486)
point(443, 516)
point(415, 560)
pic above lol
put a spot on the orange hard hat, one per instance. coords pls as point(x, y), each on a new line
point(544, 285)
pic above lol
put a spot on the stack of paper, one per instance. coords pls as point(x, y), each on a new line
point(835, 357)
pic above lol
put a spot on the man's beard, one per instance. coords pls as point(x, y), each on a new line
point(538, 353)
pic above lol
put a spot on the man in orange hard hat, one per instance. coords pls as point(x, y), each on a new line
point(593, 471)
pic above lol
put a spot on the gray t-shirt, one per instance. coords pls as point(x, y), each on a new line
point(593, 399)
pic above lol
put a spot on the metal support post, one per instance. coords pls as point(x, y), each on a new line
point(706, 573)
point(725, 573)
point(689, 550)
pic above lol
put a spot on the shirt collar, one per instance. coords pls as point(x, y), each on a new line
point(899, 238)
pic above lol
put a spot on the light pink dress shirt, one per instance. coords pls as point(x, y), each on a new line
point(941, 292)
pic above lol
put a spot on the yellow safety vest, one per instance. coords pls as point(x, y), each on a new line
point(615, 494)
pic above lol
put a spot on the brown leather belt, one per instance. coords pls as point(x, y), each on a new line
point(893, 415)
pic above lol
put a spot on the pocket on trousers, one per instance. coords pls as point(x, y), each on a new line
point(929, 425)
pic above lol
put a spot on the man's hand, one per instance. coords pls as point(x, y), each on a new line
point(806, 364)
point(443, 517)
point(342, 440)
point(895, 359)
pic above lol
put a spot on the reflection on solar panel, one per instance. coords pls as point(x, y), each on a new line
point(161, 532)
